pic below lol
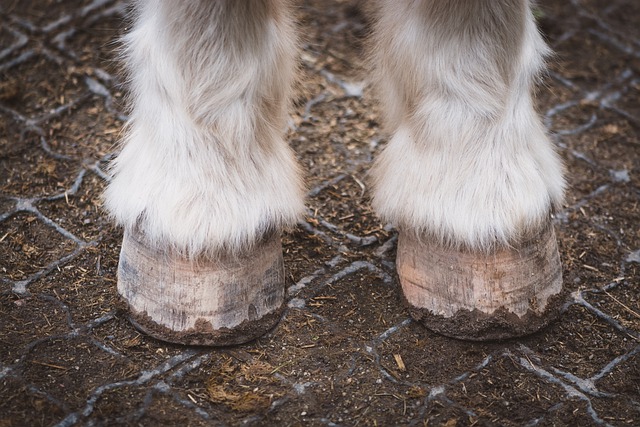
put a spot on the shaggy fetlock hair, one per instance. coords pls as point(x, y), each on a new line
point(203, 166)
point(468, 162)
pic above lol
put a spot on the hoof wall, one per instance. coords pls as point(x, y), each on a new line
point(227, 300)
point(477, 296)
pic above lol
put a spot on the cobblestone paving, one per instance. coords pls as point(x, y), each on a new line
point(346, 352)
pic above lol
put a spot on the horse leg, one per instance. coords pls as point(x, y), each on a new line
point(205, 182)
point(469, 176)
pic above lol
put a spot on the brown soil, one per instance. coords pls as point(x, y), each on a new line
point(346, 352)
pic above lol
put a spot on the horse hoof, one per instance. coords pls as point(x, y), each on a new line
point(477, 296)
point(225, 300)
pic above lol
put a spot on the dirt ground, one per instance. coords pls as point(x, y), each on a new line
point(346, 352)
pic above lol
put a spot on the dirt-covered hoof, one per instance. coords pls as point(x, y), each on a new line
point(230, 299)
point(482, 296)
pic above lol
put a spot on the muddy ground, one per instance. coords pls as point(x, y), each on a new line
point(345, 352)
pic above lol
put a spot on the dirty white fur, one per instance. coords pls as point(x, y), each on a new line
point(468, 161)
point(204, 166)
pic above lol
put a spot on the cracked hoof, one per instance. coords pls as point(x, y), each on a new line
point(482, 296)
point(216, 302)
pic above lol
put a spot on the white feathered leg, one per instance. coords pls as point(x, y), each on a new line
point(469, 175)
point(204, 178)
